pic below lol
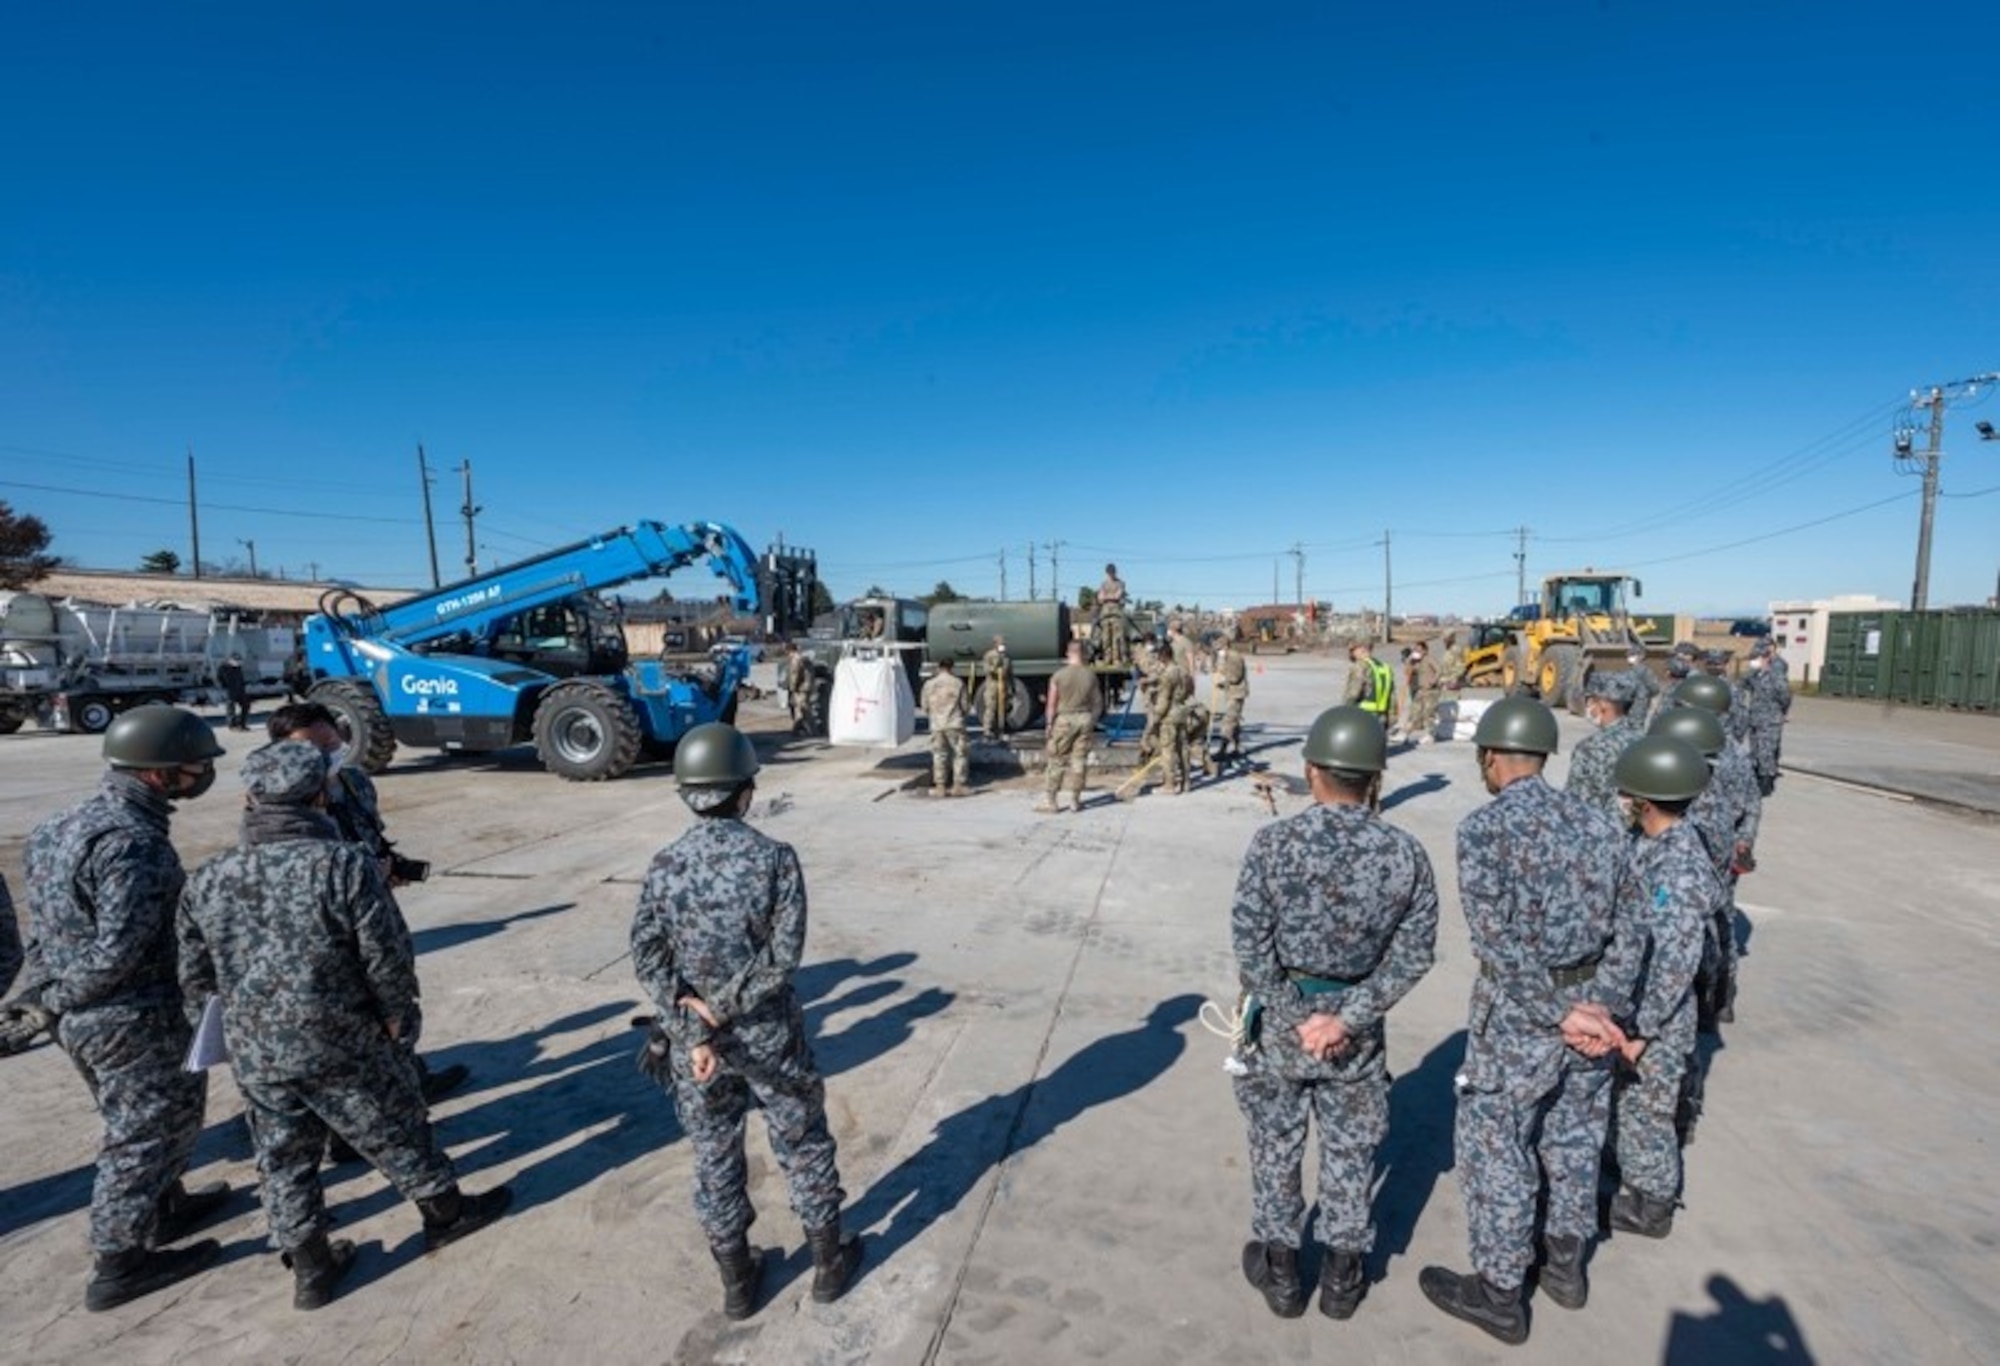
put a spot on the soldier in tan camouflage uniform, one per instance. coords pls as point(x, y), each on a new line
point(1073, 705)
point(998, 689)
point(1111, 646)
point(1172, 690)
point(1232, 680)
point(1423, 684)
point(944, 704)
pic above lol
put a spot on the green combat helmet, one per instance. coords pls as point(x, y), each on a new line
point(1517, 725)
point(1696, 726)
point(1703, 690)
point(1348, 740)
point(1661, 768)
point(716, 755)
point(159, 736)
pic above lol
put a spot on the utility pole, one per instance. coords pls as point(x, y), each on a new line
point(1298, 554)
point(1939, 397)
point(194, 517)
point(1031, 571)
point(469, 510)
point(1003, 573)
point(430, 526)
point(1055, 584)
point(312, 571)
point(252, 547)
point(1520, 565)
point(1388, 592)
point(1274, 583)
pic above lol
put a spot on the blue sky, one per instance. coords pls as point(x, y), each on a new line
point(1179, 285)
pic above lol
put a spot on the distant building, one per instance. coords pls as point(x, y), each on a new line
point(1799, 630)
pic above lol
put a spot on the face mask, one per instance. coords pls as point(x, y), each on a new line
point(1628, 811)
point(189, 788)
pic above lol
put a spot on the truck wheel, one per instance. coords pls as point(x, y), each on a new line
point(1021, 707)
point(1579, 687)
point(586, 732)
point(10, 722)
point(1560, 666)
point(1514, 680)
point(361, 718)
point(93, 715)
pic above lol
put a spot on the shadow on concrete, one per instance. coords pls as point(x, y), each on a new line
point(1423, 787)
point(64, 1192)
point(437, 937)
point(1418, 1149)
point(1739, 1331)
point(598, 1090)
point(937, 1178)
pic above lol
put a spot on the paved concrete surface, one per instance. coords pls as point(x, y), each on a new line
point(1948, 758)
point(1034, 1130)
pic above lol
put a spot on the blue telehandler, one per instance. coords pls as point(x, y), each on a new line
point(531, 652)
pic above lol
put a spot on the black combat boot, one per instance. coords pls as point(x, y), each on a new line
point(120, 1277)
point(1274, 1270)
point(742, 1275)
point(1478, 1301)
point(182, 1211)
point(441, 1083)
point(835, 1257)
point(1341, 1284)
point(453, 1215)
point(1562, 1272)
point(1634, 1212)
point(317, 1267)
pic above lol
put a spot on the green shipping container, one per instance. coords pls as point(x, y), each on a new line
point(1948, 659)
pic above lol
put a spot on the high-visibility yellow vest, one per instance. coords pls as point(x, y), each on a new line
point(1381, 688)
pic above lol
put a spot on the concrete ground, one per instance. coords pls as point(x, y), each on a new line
point(1035, 1132)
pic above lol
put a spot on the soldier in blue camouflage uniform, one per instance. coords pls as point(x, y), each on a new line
point(1767, 696)
point(1335, 919)
point(1726, 815)
point(103, 880)
point(23, 1019)
point(717, 939)
point(1680, 668)
point(297, 932)
point(10, 939)
point(355, 807)
point(1671, 888)
point(1736, 716)
point(1607, 701)
point(1645, 687)
point(1538, 872)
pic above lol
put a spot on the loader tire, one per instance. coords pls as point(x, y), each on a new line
point(1514, 679)
point(586, 732)
point(1560, 667)
point(361, 717)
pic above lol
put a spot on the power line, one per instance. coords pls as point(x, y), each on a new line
point(211, 507)
point(1782, 531)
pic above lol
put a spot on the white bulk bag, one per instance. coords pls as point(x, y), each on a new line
point(872, 705)
point(1466, 721)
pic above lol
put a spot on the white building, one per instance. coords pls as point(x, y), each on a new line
point(1799, 630)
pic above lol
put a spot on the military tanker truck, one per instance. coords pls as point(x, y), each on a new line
point(1037, 635)
point(73, 666)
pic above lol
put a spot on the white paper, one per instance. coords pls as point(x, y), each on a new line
point(208, 1047)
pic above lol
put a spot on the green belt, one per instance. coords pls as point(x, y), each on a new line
point(1310, 985)
point(1574, 975)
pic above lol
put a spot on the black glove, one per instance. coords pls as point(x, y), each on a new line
point(22, 1021)
point(652, 1057)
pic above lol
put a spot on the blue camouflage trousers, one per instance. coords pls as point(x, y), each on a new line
point(1530, 1112)
point(1647, 1142)
point(375, 1105)
point(1352, 1115)
point(769, 1062)
point(131, 1059)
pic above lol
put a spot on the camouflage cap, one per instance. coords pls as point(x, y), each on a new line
point(1762, 648)
point(288, 773)
point(1687, 648)
point(702, 800)
point(1715, 656)
point(1612, 686)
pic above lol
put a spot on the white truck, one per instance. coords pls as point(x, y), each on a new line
point(73, 666)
